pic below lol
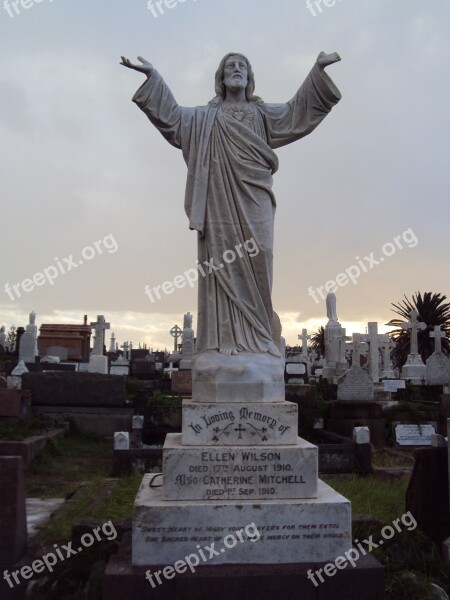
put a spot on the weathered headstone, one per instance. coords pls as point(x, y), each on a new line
point(121, 440)
point(414, 369)
point(188, 343)
point(304, 339)
point(374, 339)
point(361, 435)
point(355, 384)
point(409, 434)
point(388, 370)
point(32, 328)
point(98, 363)
point(120, 367)
point(393, 385)
point(438, 365)
point(27, 348)
point(54, 360)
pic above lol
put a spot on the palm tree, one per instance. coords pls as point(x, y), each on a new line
point(433, 310)
point(318, 341)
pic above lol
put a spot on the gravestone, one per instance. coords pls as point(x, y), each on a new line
point(388, 370)
point(14, 381)
point(53, 360)
point(374, 340)
point(188, 343)
point(438, 365)
point(137, 426)
point(304, 339)
point(98, 363)
point(408, 434)
point(27, 348)
point(120, 367)
point(208, 490)
point(355, 384)
point(392, 385)
point(361, 435)
point(32, 328)
point(414, 370)
point(121, 440)
point(13, 522)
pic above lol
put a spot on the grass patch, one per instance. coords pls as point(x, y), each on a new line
point(17, 432)
point(59, 470)
point(369, 496)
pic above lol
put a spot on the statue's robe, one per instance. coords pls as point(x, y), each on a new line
point(229, 201)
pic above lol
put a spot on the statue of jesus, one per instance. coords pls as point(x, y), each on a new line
point(228, 147)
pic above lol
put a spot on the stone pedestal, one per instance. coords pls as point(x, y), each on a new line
point(238, 465)
point(292, 531)
point(246, 377)
point(414, 369)
point(98, 364)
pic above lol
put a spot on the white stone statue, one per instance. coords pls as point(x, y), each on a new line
point(235, 302)
point(228, 146)
point(331, 307)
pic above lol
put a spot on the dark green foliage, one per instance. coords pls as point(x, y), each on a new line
point(433, 310)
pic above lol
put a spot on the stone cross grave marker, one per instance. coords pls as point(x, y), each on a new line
point(175, 332)
point(374, 339)
point(437, 334)
point(100, 327)
point(304, 339)
point(414, 325)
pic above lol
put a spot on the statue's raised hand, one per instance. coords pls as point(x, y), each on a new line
point(145, 67)
point(323, 60)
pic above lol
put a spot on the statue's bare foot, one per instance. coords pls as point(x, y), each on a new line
point(273, 351)
point(228, 350)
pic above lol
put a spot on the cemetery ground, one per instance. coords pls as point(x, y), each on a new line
point(77, 467)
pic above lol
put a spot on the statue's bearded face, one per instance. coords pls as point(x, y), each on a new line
point(235, 73)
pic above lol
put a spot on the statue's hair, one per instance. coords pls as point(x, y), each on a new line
point(220, 85)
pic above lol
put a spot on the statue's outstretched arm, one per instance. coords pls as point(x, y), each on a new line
point(146, 67)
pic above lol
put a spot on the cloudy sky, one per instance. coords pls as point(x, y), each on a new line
point(81, 164)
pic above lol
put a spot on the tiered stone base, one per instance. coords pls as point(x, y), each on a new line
point(291, 531)
point(243, 582)
point(414, 370)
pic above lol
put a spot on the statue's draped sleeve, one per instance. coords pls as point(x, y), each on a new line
point(288, 122)
point(188, 129)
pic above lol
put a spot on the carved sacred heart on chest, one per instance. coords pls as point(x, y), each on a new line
point(239, 115)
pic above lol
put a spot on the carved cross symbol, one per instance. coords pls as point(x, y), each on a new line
point(240, 429)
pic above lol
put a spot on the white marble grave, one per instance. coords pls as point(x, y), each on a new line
point(414, 370)
point(121, 440)
point(292, 531)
